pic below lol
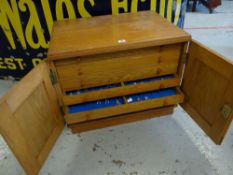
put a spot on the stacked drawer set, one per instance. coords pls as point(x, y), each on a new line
point(111, 84)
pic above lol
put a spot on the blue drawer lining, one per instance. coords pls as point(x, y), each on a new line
point(119, 100)
point(96, 105)
point(150, 95)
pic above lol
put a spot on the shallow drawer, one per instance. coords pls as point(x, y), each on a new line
point(120, 89)
point(103, 69)
point(123, 105)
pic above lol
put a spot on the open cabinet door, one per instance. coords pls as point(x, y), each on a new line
point(30, 119)
point(208, 89)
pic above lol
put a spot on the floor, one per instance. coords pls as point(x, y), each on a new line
point(162, 146)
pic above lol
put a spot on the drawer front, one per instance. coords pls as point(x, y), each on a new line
point(97, 70)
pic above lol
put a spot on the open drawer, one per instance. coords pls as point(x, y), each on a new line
point(120, 89)
point(122, 105)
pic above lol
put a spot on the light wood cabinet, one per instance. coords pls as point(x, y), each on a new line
point(109, 70)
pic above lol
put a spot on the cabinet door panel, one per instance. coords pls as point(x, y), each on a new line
point(208, 87)
point(30, 119)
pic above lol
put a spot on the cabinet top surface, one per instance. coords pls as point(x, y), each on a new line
point(102, 34)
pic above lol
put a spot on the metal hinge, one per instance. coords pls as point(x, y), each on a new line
point(53, 77)
point(184, 58)
point(226, 110)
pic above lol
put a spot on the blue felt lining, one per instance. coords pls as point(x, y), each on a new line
point(119, 100)
point(150, 95)
point(96, 105)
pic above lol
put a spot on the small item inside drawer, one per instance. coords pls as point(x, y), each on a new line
point(150, 95)
point(120, 100)
point(96, 105)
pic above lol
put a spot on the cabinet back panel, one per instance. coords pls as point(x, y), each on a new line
point(116, 67)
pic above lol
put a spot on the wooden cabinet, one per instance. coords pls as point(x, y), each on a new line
point(108, 70)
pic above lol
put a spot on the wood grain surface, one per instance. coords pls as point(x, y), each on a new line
point(88, 36)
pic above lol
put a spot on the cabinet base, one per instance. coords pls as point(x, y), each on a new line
point(121, 119)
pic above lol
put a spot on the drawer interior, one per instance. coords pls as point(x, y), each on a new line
point(112, 68)
point(95, 105)
point(118, 106)
point(121, 100)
